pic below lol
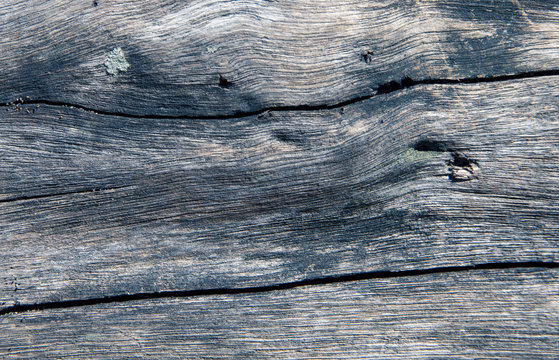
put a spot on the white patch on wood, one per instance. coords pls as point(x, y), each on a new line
point(116, 62)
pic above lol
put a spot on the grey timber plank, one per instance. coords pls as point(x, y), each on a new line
point(435, 175)
point(490, 314)
point(210, 57)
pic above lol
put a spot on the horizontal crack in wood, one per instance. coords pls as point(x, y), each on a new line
point(386, 88)
point(19, 308)
point(74, 192)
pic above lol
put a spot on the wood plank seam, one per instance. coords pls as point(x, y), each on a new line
point(19, 308)
point(385, 88)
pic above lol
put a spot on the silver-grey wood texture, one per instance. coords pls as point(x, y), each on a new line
point(435, 175)
point(158, 156)
point(512, 314)
point(210, 57)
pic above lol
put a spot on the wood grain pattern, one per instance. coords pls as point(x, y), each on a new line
point(95, 205)
point(512, 314)
point(216, 148)
point(215, 57)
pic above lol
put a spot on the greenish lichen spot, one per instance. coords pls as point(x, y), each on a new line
point(116, 62)
point(412, 156)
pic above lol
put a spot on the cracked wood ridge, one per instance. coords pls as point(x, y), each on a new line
point(279, 179)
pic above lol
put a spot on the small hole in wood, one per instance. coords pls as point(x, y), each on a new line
point(224, 83)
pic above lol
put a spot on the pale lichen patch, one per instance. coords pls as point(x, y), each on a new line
point(116, 62)
point(211, 49)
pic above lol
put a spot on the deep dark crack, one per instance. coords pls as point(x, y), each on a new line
point(274, 287)
point(389, 87)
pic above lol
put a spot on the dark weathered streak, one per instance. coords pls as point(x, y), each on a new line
point(509, 314)
point(210, 57)
point(434, 175)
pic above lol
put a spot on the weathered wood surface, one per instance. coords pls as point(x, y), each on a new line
point(512, 314)
point(208, 146)
point(209, 57)
point(96, 205)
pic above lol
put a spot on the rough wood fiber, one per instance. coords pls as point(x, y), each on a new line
point(94, 205)
point(215, 57)
point(511, 314)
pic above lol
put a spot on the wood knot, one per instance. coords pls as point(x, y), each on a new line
point(366, 56)
point(462, 168)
